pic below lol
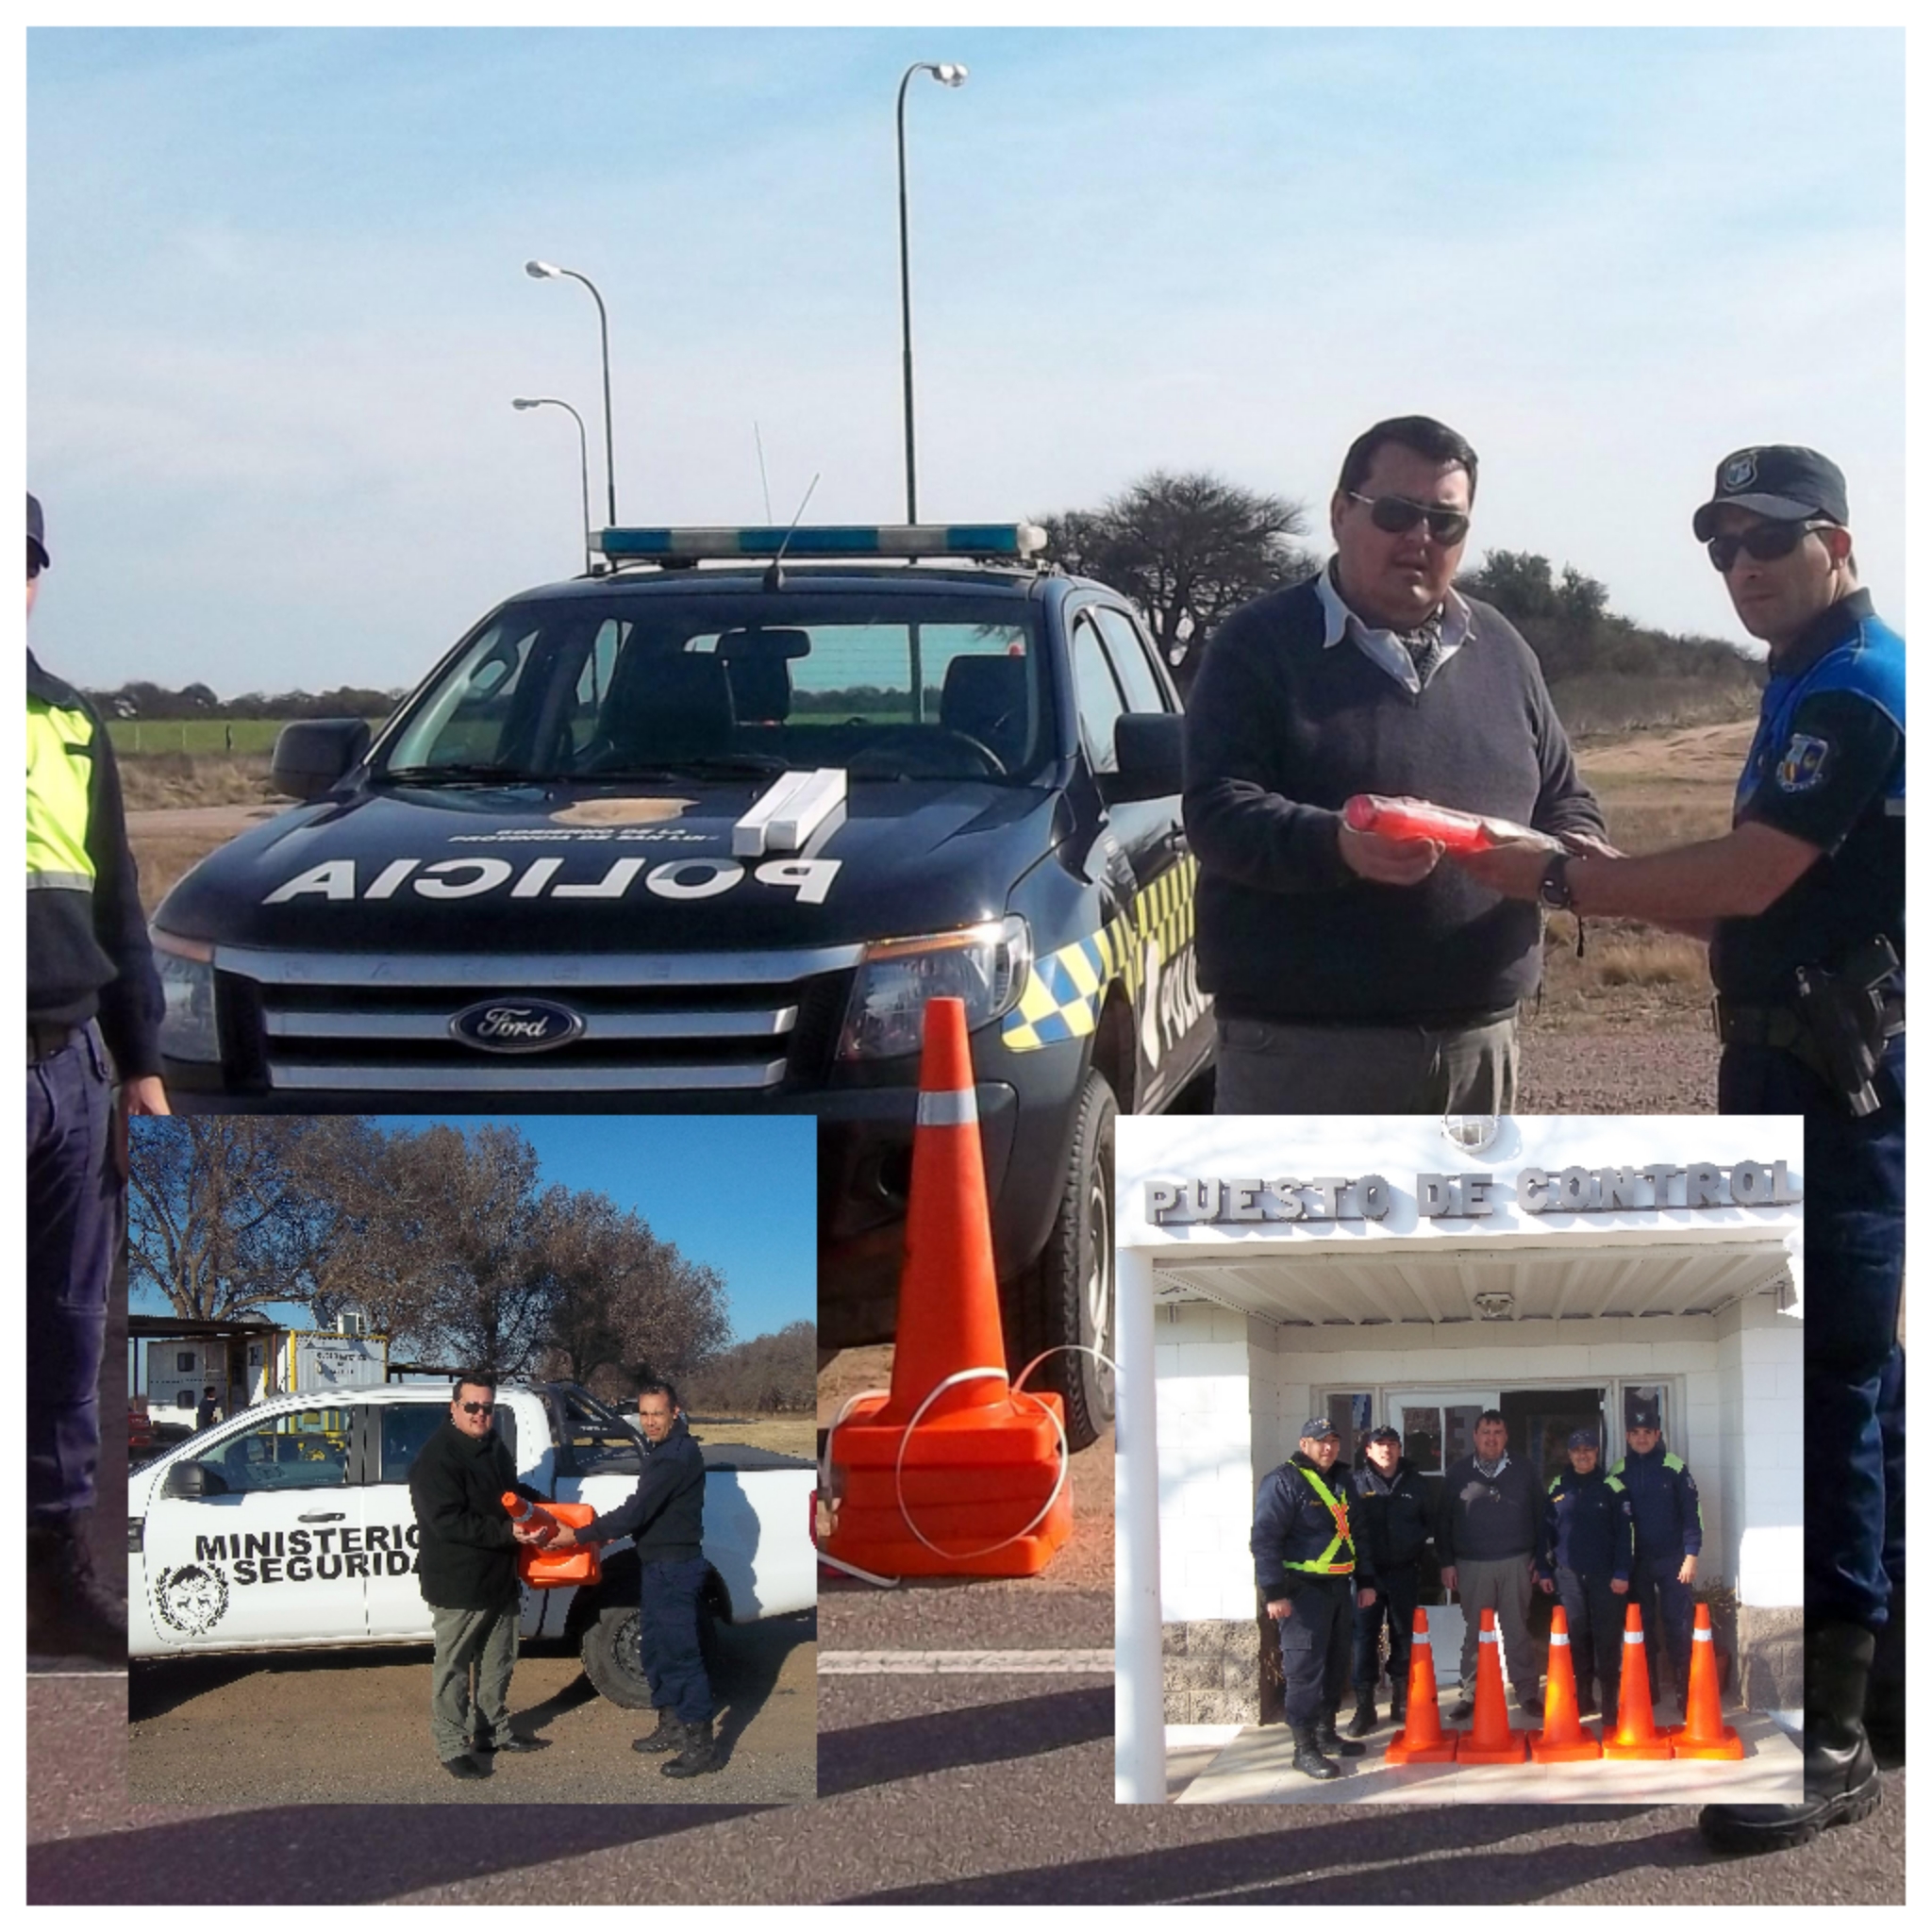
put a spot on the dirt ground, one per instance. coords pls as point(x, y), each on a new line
point(784, 1435)
point(302, 1728)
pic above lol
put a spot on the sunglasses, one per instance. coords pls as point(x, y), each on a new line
point(479, 1409)
point(1765, 542)
point(1397, 514)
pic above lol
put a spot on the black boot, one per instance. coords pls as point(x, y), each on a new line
point(669, 1736)
point(1840, 1777)
point(1308, 1756)
point(69, 1611)
point(1398, 1707)
point(1885, 1693)
point(700, 1753)
point(1332, 1741)
point(1364, 1720)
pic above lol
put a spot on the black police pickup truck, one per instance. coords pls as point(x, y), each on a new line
point(682, 839)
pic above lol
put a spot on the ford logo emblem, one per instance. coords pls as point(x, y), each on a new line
point(511, 1025)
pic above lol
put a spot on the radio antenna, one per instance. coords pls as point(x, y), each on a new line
point(764, 482)
point(774, 577)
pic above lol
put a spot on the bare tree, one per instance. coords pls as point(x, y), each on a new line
point(221, 1218)
point(1188, 549)
point(626, 1300)
point(768, 1374)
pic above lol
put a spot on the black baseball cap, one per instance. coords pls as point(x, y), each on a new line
point(1317, 1428)
point(1780, 480)
point(36, 530)
point(1583, 1439)
point(1643, 1419)
point(1385, 1434)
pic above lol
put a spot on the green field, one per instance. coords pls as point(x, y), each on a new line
point(201, 736)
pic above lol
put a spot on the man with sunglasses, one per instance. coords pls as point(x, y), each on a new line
point(1803, 903)
point(1353, 972)
point(94, 1010)
point(467, 1568)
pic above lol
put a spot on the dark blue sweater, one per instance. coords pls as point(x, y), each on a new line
point(1281, 731)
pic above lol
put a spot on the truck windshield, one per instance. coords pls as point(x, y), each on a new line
point(654, 685)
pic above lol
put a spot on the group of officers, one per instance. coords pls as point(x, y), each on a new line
point(1337, 1552)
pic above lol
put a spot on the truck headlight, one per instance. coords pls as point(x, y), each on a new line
point(188, 986)
point(984, 965)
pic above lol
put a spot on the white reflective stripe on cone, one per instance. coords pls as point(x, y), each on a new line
point(1561, 1637)
point(1700, 1637)
point(960, 1109)
point(1633, 1636)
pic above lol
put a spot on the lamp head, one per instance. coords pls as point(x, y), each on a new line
point(522, 402)
point(540, 271)
point(948, 73)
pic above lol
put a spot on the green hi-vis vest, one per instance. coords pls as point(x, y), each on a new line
point(1326, 1565)
point(60, 782)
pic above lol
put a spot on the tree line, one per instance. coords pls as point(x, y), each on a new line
point(1190, 548)
point(447, 1240)
point(139, 698)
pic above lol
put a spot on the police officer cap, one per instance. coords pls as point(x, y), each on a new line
point(1645, 1419)
point(36, 531)
point(1385, 1434)
point(1583, 1439)
point(1317, 1428)
point(1778, 480)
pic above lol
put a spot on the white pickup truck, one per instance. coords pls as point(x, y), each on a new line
point(291, 1526)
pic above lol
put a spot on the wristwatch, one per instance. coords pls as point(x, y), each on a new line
point(1552, 888)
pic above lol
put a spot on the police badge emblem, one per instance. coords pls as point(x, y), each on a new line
point(191, 1599)
point(1803, 764)
point(1740, 472)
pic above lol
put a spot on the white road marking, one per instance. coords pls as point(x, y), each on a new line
point(986, 1663)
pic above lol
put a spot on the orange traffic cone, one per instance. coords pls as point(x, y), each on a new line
point(546, 1569)
point(952, 1474)
point(1562, 1739)
point(1490, 1739)
point(1422, 1738)
point(1637, 1734)
point(1703, 1732)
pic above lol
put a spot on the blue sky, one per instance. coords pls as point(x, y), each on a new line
point(737, 1194)
point(276, 309)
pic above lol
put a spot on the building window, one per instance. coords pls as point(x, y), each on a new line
point(1352, 1414)
point(1434, 1435)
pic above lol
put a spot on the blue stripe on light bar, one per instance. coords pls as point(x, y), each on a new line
point(826, 539)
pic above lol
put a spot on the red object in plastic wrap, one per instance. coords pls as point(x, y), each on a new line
point(1415, 819)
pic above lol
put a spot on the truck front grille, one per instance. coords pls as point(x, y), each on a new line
point(752, 1022)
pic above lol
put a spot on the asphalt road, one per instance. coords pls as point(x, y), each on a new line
point(293, 1728)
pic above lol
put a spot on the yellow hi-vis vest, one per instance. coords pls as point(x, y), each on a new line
point(1326, 1565)
point(60, 780)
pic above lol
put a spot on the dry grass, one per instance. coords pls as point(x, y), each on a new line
point(784, 1435)
point(163, 857)
point(154, 781)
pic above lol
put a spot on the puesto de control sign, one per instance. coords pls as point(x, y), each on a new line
point(1654, 1187)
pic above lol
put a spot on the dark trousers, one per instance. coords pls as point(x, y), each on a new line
point(1315, 1650)
point(72, 1224)
point(668, 1637)
point(1668, 1613)
point(1594, 1612)
point(1396, 1589)
point(1854, 1228)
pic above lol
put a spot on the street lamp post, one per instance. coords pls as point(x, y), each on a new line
point(583, 458)
point(545, 271)
point(948, 73)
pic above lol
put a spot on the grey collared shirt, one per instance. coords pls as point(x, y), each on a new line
point(1385, 648)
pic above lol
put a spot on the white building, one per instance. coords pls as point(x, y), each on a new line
point(1407, 1270)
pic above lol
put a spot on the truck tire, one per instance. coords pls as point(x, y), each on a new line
point(609, 1651)
point(1068, 1294)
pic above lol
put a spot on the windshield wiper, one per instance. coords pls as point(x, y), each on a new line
point(754, 763)
point(459, 774)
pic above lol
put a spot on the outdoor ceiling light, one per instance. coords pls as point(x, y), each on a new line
point(1495, 1305)
point(1472, 1131)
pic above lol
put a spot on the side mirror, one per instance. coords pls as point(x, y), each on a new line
point(313, 754)
point(1147, 747)
point(194, 1481)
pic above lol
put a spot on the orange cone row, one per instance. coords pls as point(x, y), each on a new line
point(1563, 1740)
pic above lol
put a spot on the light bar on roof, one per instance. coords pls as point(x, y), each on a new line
point(1016, 540)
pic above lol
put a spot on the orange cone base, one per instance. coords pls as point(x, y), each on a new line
point(1402, 1751)
point(1658, 1746)
point(1582, 1750)
point(1469, 1752)
point(1728, 1744)
point(969, 1479)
